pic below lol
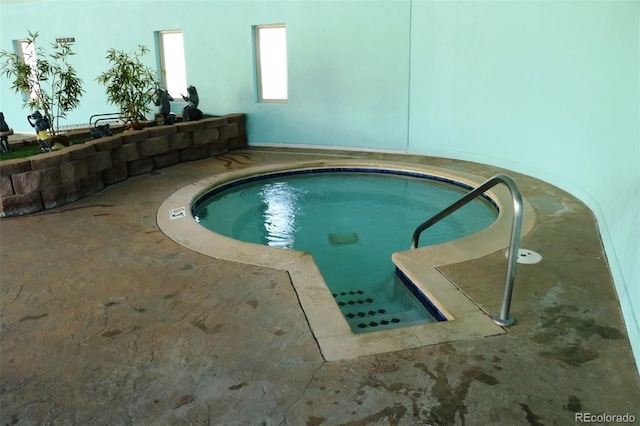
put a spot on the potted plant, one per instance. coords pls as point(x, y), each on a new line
point(130, 84)
point(47, 79)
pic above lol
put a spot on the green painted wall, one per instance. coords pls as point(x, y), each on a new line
point(547, 88)
point(348, 61)
point(551, 89)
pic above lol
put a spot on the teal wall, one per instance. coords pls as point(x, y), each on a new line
point(348, 81)
point(547, 88)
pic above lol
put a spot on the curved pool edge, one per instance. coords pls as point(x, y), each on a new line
point(334, 336)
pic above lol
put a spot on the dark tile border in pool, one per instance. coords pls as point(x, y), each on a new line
point(230, 185)
point(420, 296)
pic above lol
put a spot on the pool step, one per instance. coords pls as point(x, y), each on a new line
point(377, 311)
point(354, 298)
point(401, 319)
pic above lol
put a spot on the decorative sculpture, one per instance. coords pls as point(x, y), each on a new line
point(41, 124)
point(162, 99)
point(5, 132)
point(191, 111)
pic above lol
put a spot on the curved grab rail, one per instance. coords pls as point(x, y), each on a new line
point(503, 319)
point(103, 117)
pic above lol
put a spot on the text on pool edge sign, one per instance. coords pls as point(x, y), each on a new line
point(177, 213)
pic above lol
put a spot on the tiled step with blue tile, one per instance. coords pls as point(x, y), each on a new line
point(366, 312)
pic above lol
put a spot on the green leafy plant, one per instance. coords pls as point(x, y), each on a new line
point(129, 83)
point(50, 84)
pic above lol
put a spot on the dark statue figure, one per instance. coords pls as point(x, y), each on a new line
point(41, 124)
point(101, 131)
point(191, 111)
point(5, 132)
point(162, 99)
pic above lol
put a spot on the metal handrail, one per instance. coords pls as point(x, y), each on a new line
point(503, 319)
point(104, 117)
point(111, 116)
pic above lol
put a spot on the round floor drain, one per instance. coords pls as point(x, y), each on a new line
point(526, 256)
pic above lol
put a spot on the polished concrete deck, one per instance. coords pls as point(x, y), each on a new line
point(105, 320)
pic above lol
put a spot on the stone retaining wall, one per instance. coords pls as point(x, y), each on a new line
point(53, 179)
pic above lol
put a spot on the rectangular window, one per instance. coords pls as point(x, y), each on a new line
point(172, 65)
point(27, 51)
point(271, 62)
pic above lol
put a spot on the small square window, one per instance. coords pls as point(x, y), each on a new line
point(271, 62)
point(27, 51)
point(172, 64)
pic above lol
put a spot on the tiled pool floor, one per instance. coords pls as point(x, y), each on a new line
point(105, 320)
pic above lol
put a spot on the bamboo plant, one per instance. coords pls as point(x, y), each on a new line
point(129, 83)
point(49, 84)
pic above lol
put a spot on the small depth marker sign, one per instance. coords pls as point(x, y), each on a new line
point(177, 213)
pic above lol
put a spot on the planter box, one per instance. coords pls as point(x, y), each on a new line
point(167, 159)
point(153, 146)
point(53, 179)
point(116, 173)
point(74, 170)
point(99, 161)
point(12, 167)
point(215, 122)
point(180, 140)
point(140, 166)
point(196, 152)
point(205, 136)
point(6, 187)
point(91, 184)
point(162, 131)
point(60, 195)
point(49, 159)
point(134, 136)
point(106, 144)
point(16, 205)
point(36, 180)
point(79, 152)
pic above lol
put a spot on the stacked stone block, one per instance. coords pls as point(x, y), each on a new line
point(57, 178)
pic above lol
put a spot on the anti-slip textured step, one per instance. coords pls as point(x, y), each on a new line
point(364, 311)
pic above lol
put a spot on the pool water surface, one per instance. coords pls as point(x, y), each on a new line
point(351, 223)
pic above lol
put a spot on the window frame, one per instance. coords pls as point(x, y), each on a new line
point(29, 57)
point(162, 61)
point(258, 64)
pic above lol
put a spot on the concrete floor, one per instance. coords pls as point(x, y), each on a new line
point(106, 321)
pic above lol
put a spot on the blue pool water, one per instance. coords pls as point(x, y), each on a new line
point(351, 222)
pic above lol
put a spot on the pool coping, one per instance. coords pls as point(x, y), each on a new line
point(336, 341)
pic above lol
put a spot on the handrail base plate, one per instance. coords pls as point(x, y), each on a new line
point(504, 323)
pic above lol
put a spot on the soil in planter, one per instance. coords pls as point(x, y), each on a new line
point(136, 126)
point(60, 141)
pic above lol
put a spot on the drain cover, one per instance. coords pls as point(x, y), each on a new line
point(526, 256)
point(343, 238)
